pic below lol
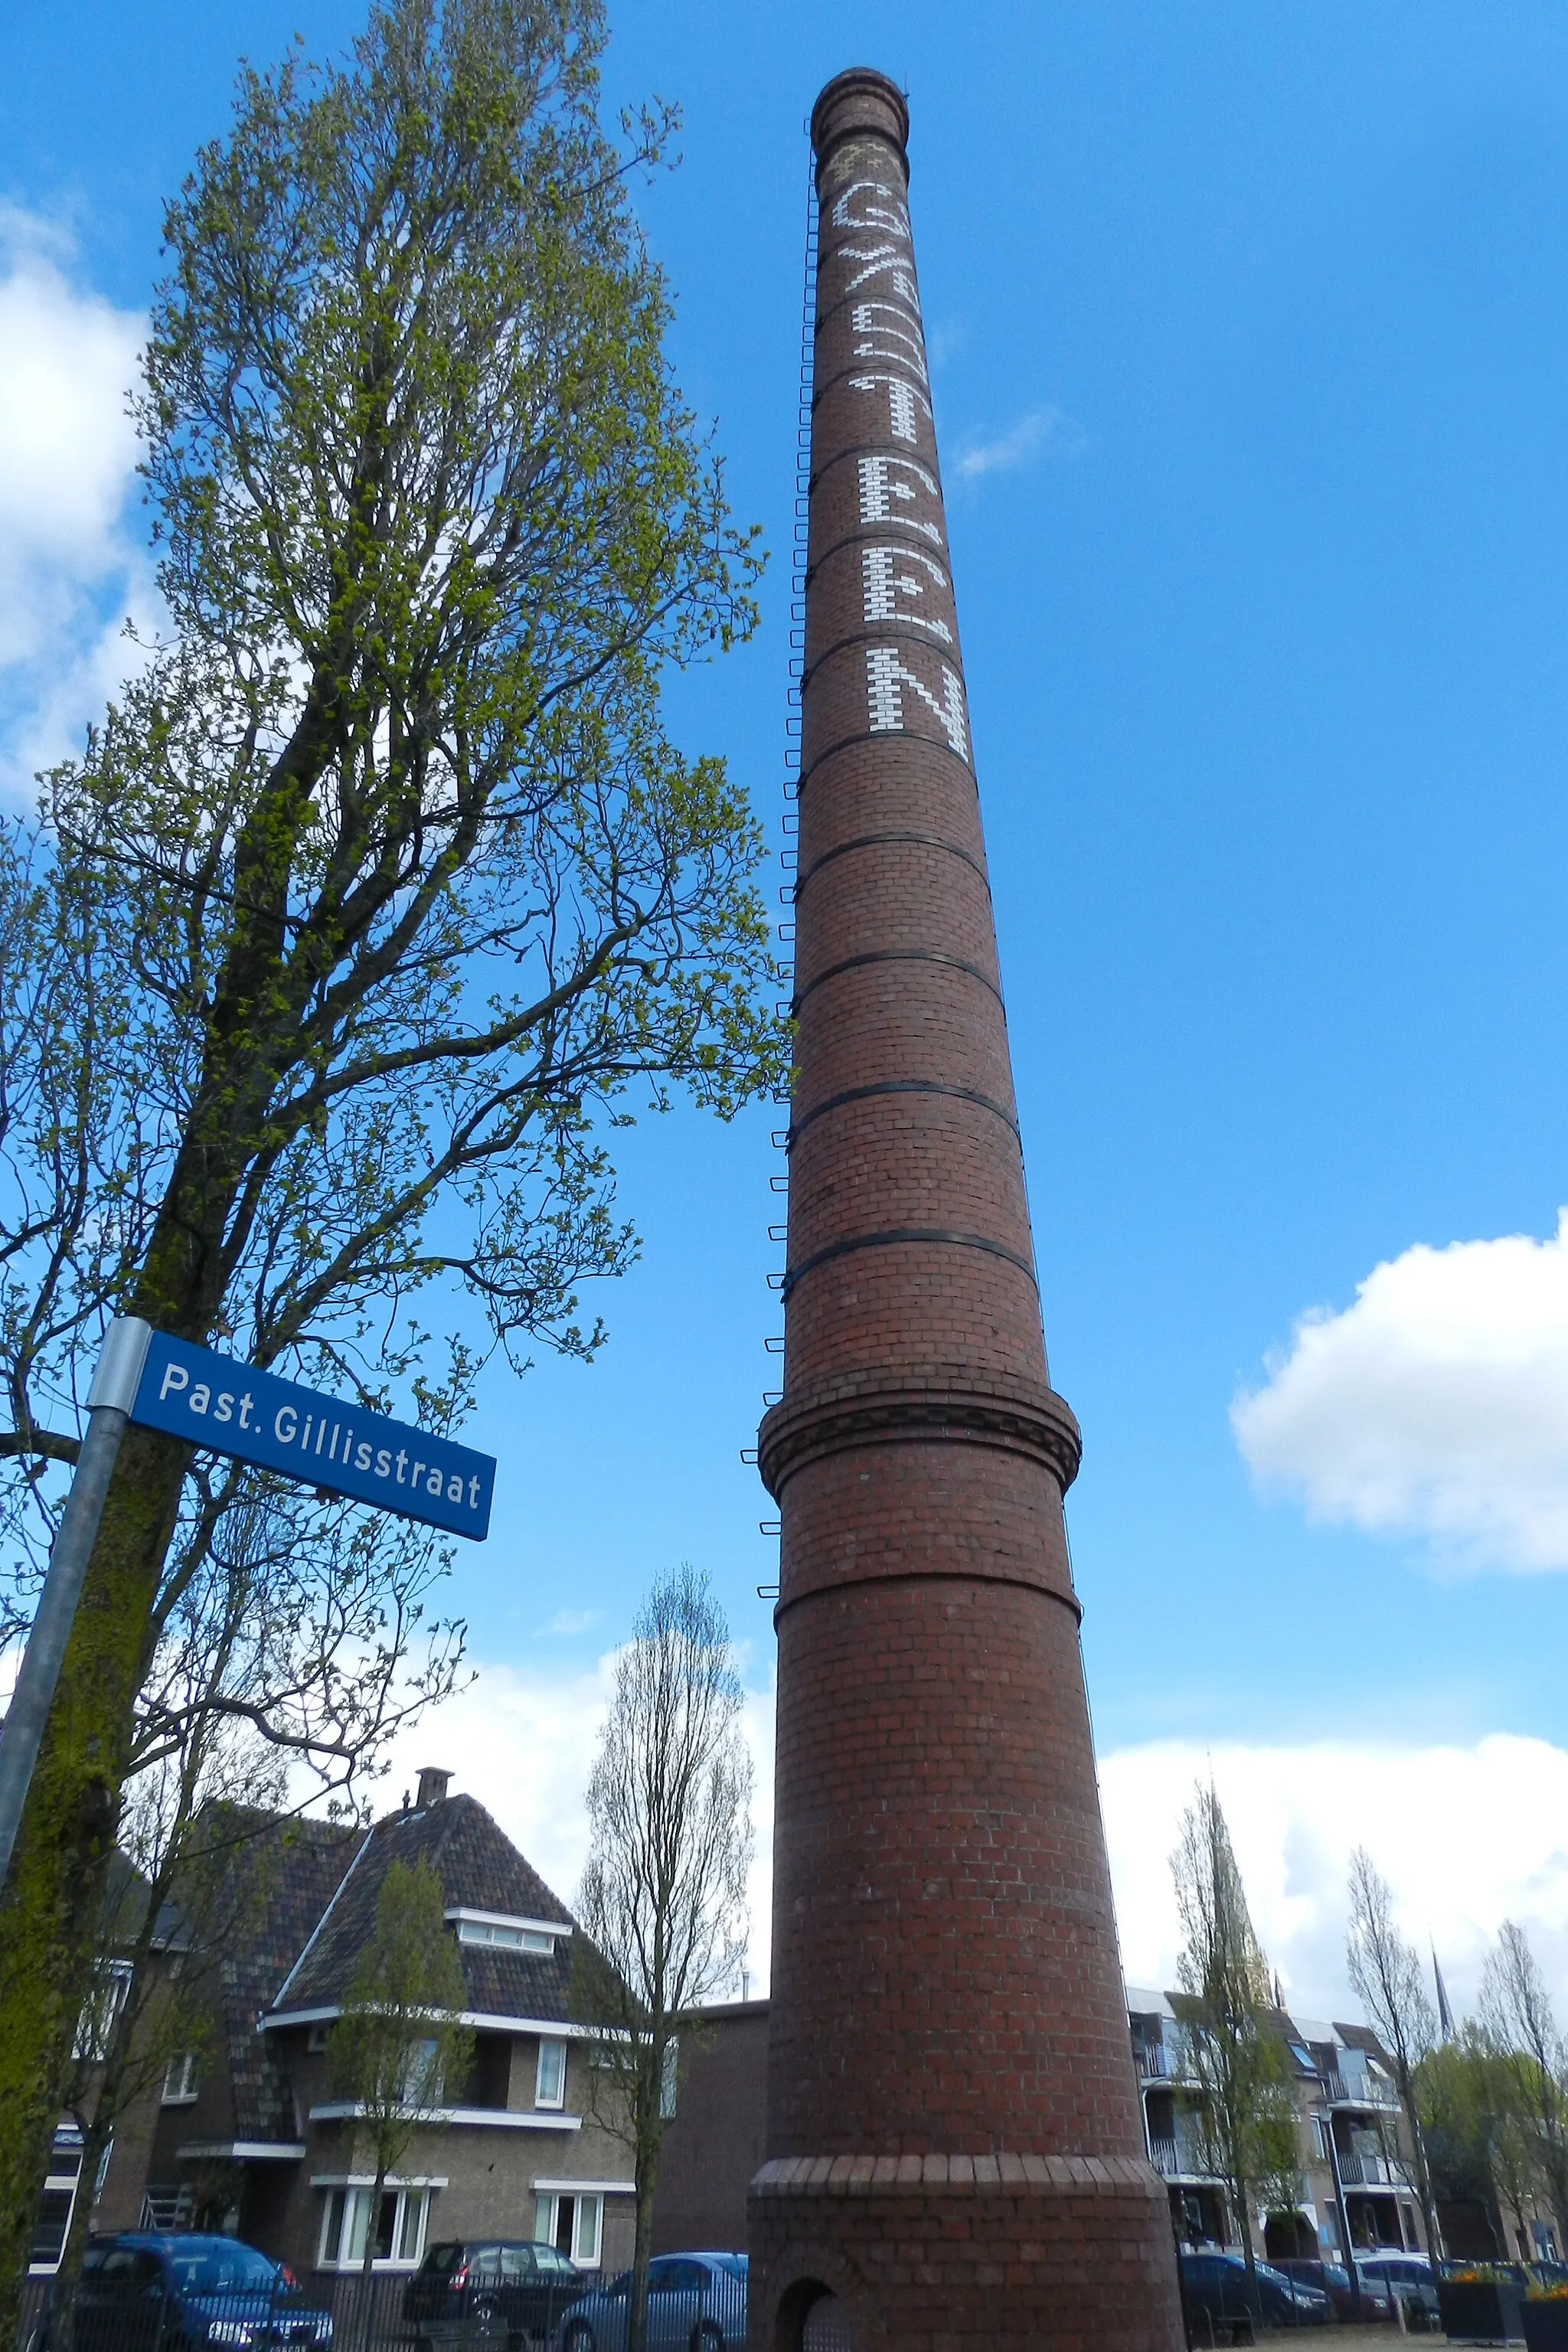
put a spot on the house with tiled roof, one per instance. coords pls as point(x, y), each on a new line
point(251, 2135)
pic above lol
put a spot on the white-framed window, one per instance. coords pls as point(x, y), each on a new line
point(316, 2039)
point(550, 2082)
point(101, 2009)
point(510, 1937)
point(180, 2079)
point(398, 2239)
point(421, 2083)
point(53, 2217)
point(572, 2225)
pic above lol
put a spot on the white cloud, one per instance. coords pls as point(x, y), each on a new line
point(572, 1621)
point(69, 570)
point(523, 1741)
point(1466, 1837)
point(1435, 1405)
point(1044, 431)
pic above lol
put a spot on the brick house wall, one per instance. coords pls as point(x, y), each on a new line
point(259, 2142)
point(716, 2140)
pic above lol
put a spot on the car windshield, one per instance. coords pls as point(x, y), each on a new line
point(219, 2270)
point(444, 2259)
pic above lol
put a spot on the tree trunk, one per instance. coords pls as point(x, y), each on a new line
point(645, 2171)
point(364, 2333)
point(95, 2137)
point(51, 1903)
point(1418, 2157)
point(1556, 2167)
point(52, 1907)
point(1243, 2222)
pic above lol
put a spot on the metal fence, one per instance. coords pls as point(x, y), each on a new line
point(689, 2306)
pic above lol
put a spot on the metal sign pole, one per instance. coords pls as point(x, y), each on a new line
point(210, 1401)
point(109, 1406)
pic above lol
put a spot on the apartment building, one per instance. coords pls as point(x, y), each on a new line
point(1356, 2183)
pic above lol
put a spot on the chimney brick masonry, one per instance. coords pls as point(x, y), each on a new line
point(955, 2152)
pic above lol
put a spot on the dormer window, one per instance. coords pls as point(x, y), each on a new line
point(515, 1939)
point(505, 1932)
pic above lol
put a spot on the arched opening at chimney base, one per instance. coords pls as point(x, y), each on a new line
point(812, 2319)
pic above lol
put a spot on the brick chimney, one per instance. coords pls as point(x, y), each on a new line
point(433, 1786)
point(956, 2149)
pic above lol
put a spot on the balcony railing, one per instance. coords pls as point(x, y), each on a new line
point(1364, 2090)
point(1158, 2062)
point(1373, 2172)
point(1177, 2159)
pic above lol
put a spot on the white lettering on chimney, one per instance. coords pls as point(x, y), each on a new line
point(913, 356)
point(881, 261)
point(892, 216)
point(901, 400)
point(885, 583)
point(886, 676)
point(881, 485)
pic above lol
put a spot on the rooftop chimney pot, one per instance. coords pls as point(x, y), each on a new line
point(432, 1788)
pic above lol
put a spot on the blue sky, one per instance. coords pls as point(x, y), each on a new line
point(1252, 332)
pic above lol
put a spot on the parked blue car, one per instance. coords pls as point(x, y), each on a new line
point(146, 2292)
point(1218, 2285)
point(696, 2303)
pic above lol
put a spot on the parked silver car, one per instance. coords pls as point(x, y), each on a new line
point(1408, 2279)
point(696, 2303)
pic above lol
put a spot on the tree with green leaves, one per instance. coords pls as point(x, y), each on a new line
point(1453, 2102)
point(1526, 2047)
point(399, 2052)
point(1247, 2115)
point(381, 891)
point(1386, 1971)
point(663, 1899)
point(1482, 2148)
point(191, 1872)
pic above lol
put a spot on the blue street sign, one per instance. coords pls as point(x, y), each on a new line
point(209, 1400)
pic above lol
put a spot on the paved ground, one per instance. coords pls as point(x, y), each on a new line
point(1382, 2338)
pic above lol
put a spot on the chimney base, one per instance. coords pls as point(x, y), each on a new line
point(954, 2254)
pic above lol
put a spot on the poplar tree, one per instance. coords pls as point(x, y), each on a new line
point(663, 1900)
point(398, 2053)
point(1386, 1971)
point(1248, 2117)
point(381, 891)
point(1530, 2057)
